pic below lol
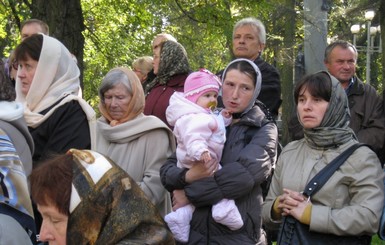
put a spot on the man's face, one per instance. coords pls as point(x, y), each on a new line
point(342, 63)
point(30, 29)
point(246, 43)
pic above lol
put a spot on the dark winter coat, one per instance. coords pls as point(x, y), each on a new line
point(246, 163)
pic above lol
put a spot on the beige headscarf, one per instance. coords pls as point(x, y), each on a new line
point(56, 79)
point(136, 104)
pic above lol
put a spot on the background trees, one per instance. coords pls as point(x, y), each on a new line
point(103, 34)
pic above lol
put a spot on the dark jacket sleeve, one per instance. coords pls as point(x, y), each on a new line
point(171, 176)
point(237, 178)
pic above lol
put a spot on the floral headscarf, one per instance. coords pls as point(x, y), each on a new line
point(173, 61)
point(108, 207)
point(136, 104)
point(334, 128)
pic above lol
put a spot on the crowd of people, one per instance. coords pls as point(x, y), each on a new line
point(183, 157)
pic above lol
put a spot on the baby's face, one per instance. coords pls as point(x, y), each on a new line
point(208, 100)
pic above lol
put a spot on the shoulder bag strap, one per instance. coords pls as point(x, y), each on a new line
point(323, 176)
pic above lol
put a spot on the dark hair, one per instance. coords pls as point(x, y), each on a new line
point(339, 43)
point(7, 91)
point(30, 47)
point(42, 24)
point(51, 182)
point(319, 85)
point(244, 67)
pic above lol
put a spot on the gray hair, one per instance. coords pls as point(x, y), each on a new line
point(256, 24)
point(113, 78)
point(339, 43)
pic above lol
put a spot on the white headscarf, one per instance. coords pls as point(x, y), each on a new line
point(56, 77)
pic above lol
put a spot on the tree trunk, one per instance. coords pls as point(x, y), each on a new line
point(382, 24)
point(287, 74)
point(65, 20)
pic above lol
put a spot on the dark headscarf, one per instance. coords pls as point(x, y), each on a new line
point(334, 128)
point(173, 61)
point(108, 207)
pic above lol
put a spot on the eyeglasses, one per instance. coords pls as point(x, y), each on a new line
point(15, 65)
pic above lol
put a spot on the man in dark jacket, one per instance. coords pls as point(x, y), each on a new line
point(249, 39)
point(366, 108)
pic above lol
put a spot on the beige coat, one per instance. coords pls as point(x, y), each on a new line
point(140, 147)
point(350, 203)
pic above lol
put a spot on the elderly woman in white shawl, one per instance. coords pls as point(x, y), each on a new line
point(48, 85)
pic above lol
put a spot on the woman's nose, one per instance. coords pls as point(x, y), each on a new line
point(45, 235)
point(235, 93)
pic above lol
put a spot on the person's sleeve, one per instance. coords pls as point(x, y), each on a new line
point(236, 179)
point(372, 130)
point(156, 140)
point(362, 214)
point(172, 177)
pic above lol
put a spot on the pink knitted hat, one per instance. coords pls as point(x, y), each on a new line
point(200, 82)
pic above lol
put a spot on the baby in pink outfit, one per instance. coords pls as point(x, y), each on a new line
point(200, 135)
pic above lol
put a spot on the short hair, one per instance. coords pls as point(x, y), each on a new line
point(144, 64)
point(113, 78)
point(51, 182)
point(42, 24)
point(339, 43)
point(318, 85)
point(256, 24)
point(30, 47)
point(7, 91)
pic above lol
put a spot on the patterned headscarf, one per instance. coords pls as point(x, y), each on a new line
point(108, 207)
point(173, 61)
point(136, 104)
point(334, 128)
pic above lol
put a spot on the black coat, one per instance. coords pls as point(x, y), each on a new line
point(66, 128)
point(246, 163)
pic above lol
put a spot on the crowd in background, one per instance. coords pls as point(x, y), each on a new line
point(170, 141)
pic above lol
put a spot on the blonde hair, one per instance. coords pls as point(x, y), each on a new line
point(143, 64)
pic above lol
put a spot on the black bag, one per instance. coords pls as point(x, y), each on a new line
point(293, 232)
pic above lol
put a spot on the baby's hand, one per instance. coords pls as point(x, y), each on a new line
point(226, 113)
point(205, 157)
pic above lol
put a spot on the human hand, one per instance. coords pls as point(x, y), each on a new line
point(289, 201)
point(201, 170)
point(205, 157)
point(179, 199)
point(226, 113)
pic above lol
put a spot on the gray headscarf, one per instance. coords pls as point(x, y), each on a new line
point(173, 61)
point(334, 128)
point(258, 82)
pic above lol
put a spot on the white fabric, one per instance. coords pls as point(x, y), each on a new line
point(10, 111)
point(56, 77)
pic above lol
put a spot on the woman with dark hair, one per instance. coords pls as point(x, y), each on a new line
point(48, 85)
point(171, 68)
point(248, 156)
point(351, 201)
point(85, 198)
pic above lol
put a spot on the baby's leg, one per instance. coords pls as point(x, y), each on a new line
point(226, 213)
point(179, 222)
